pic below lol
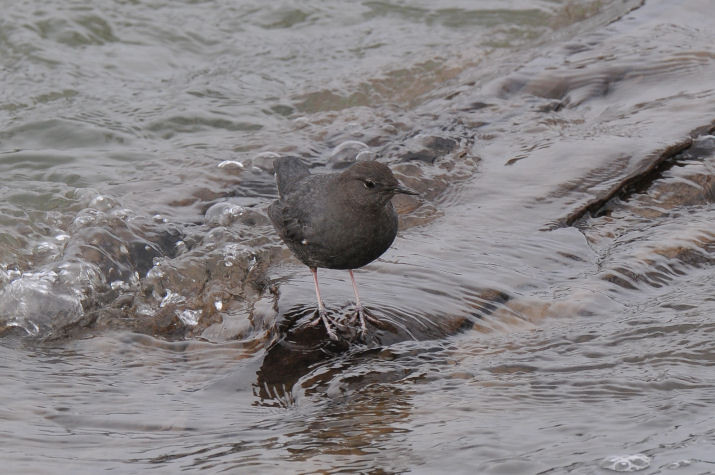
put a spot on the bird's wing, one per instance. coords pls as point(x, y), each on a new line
point(288, 220)
point(289, 171)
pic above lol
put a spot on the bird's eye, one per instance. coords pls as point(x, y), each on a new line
point(369, 184)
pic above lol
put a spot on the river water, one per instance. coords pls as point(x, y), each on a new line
point(548, 306)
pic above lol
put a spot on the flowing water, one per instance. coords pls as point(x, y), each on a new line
point(549, 303)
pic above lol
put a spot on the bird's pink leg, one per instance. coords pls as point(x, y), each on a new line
point(362, 315)
point(323, 315)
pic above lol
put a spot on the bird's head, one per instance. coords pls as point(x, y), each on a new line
point(371, 184)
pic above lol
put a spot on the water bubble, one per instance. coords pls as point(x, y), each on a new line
point(390, 129)
point(626, 463)
point(230, 164)
point(123, 214)
point(301, 122)
point(366, 155)
point(346, 153)
point(38, 302)
point(46, 250)
point(264, 161)
point(158, 218)
point(79, 275)
point(679, 464)
point(232, 253)
point(45, 247)
point(29, 327)
point(223, 214)
point(102, 203)
point(87, 217)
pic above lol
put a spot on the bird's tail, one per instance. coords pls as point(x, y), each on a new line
point(289, 171)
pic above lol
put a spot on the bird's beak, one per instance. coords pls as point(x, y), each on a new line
point(404, 191)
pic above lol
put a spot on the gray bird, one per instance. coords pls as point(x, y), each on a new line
point(337, 220)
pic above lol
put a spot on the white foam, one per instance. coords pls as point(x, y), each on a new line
point(189, 317)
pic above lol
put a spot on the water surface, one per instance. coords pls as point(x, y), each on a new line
point(547, 306)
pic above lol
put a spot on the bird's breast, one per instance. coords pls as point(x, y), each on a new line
point(352, 240)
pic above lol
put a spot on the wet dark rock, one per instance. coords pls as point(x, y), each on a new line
point(650, 170)
point(297, 347)
point(428, 149)
point(477, 105)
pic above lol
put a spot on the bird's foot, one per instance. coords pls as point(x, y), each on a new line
point(327, 322)
point(363, 317)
